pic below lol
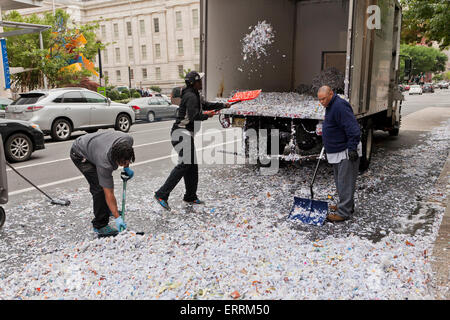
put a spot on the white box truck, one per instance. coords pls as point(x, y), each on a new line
point(360, 38)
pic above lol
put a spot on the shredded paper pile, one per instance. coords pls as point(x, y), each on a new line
point(240, 244)
point(280, 104)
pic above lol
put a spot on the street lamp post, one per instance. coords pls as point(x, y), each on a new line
point(129, 77)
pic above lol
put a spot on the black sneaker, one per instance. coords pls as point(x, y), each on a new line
point(163, 203)
point(196, 201)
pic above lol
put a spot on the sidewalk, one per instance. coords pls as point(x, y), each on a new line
point(441, 250)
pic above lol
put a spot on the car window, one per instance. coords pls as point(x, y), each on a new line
point(153, 101)
point(27, 99)
point(73, 97)
point(92, 97)
point(162, 101)
point(59, 99)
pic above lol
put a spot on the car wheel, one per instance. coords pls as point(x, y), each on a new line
point(61, 130)
point(150, 117)
point(2, 216)
point(18, 147)
point(123, 123)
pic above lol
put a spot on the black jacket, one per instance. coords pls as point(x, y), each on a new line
point(191, 109)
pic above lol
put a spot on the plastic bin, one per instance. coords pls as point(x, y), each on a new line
point(3, 184)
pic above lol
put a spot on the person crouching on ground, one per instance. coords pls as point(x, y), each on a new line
point(342, 141)
point(182, 133)
point(97, 155)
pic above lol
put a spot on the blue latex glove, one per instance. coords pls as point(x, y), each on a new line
point(129, 172)
point(120, 224)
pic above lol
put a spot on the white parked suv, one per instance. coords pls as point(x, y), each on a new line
point(59, 112)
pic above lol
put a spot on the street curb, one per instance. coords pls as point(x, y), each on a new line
point(441, 252)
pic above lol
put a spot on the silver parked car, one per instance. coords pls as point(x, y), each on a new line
point(59, 112)
point(153, 108)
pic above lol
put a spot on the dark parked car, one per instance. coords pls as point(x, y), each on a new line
point(427, 88)
point(20, 139)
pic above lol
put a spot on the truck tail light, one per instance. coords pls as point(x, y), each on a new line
point(34, 108)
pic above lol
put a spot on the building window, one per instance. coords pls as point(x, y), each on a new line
point(103, 28)
point(157, 50)
point(156, 24)
point(131, 74)
point(144, 73)
point(197, 67)
point(197, 45)
point(180, 47)
point(105, 56)
point(117, 54)
point(158, 73)
point(144, 52)
point(129, 31)
point(195, 17)
point(180, 70)
point(118, 75)
point(116, 31)
point(142, 27)
point(131, 53)
point(178, 19)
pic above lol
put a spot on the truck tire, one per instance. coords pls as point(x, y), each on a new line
point(367, 146)
point(2, 217)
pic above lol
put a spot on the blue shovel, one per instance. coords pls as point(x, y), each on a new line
point(310, 211)
point(125, 179)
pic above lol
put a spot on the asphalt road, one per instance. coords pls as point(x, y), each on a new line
point(52, 166)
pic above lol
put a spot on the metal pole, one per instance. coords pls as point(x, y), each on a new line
point(42, 48)
point(129, 76)
point(100, 66)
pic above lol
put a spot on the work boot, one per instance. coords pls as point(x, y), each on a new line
point(163, 203)
point(106, 231)
point(335, 218)
point(196, 201)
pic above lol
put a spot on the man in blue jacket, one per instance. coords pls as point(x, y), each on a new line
point(342, 142)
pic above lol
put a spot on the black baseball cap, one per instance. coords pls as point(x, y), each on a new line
point(193, 76)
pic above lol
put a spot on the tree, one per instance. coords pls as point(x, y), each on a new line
point(429, 19)
point(424, 59)
point(54, 57)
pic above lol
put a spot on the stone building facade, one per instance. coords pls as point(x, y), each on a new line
point(155, 39)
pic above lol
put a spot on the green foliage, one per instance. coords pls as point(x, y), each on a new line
point(155, 88)
point(136, 95)
point(438, 77)
point(424, 59)
point(447, 76)
point(24, 50)
point(429, 19)
point(124, 96)
point(113, 94)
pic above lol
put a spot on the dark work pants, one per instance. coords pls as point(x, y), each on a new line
point(345, 174)
point(89, 170)
point(187, 168)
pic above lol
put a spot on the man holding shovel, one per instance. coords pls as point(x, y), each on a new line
point(97, 155)
point(342, 142)
point(182, 133)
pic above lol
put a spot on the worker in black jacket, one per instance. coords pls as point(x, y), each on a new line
point(190, 111)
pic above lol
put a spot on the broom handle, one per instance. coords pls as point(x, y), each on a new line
point(315, 173)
